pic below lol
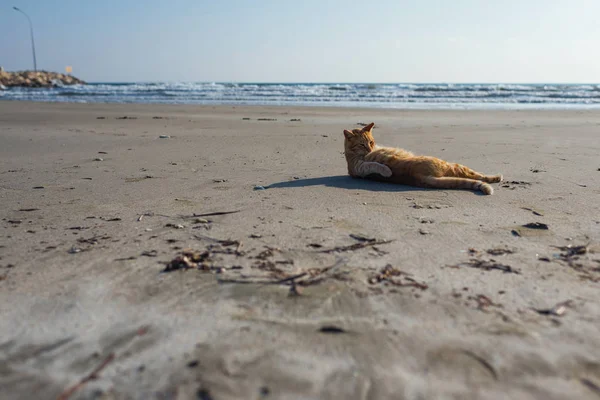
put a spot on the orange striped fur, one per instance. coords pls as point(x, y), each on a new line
point(367, 160)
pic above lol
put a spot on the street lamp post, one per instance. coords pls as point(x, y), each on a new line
point(31, 31)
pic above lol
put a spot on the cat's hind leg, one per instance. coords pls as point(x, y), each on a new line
point(461, 171)
point(456, 183)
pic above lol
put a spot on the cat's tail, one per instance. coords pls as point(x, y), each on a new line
point(457, 183)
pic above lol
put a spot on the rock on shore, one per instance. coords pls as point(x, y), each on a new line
point(36, 79)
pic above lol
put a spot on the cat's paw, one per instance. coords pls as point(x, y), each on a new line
point(494, 178)
point(385, 171)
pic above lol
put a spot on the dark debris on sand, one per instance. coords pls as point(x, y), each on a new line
point(332, 329)
point(536, 225)
point(396, 277)
point(274, 271)
point(364, 242)
point(573, 256)
point(189, 259)
point(512, 185)
point(488, 265)
point(499, 251)
point(557, 310)
point(483, 302)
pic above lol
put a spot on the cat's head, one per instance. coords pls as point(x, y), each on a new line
point(359, 141)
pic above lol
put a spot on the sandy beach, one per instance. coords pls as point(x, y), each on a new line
point(180, 252)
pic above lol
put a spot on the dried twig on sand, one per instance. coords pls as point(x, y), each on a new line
point(590, 384)
point(222, 242)
point(92, 375)
point(361, 237)
point(483, 362)
point(95, 373)
point(535, 212)
point(483, 302)
point(317, 275)
point(355, 246)
point(211, 214)
point(260, 281)
point(488, 265)
point(311, 276)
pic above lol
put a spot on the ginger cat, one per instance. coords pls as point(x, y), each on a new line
point(367, 160)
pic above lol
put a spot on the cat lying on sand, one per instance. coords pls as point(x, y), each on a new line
point(367, 160)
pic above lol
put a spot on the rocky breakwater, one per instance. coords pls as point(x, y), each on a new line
point(39, 79)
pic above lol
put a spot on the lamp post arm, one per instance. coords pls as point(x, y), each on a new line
point(31, 33)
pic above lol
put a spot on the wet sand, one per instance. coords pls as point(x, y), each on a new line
point(318, 286)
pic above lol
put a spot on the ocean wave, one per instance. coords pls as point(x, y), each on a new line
point(367, 94)
point(75, 94)
point(341, 88)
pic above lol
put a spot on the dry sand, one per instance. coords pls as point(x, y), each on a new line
point(83, 299)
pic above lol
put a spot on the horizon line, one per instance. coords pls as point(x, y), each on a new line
point(350, 83)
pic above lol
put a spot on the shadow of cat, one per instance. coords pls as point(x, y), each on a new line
point(346, 182)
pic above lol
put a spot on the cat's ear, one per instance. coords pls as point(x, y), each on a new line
point(368, 127)
point(348, 134)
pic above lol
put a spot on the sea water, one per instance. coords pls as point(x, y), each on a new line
point(373, 95)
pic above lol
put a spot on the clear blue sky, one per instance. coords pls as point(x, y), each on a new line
point(308, 41)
